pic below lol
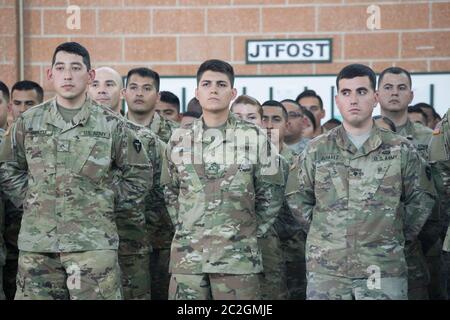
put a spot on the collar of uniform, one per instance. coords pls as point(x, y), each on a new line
point(372, 143)
point(83, 116)
point(54, 118)
point(407, 130)
point(197, 127)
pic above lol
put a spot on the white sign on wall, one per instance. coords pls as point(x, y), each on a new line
point(289, 51)
point(432, 88)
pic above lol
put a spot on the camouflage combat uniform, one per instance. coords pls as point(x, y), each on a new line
point(358, 207)
point(161, 230)
point(11, 219)
point(219, 208)
point(423, 255)
point(292, 236)
point(273, 280)
point(439, 151)
point(62, 173)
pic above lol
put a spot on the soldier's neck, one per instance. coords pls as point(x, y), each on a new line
point(142, 119)
point(215, 120)
point(399, 118)
point(360, 130)
point(75, 103)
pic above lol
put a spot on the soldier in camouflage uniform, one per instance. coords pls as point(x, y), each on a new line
point(423, 255)
point(221, 196)
point(24, 95)
point(292, 238)
point(141, 95)
point(363, 191)
point(58, 161)
point(439, 151)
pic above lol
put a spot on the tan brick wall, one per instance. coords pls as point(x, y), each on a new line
point(175, 36)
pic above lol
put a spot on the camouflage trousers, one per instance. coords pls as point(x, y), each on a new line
point(214, 286)
point(9, 278)
point(273, 280)
point(159, 269)
point(294, 257)
point(2, 295)
point(135, 274)
point(328, 287)
point(88, 275)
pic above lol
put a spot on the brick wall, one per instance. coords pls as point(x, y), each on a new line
point(174, 36)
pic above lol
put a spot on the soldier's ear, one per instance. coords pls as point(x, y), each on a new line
point(234, 94)
point(49, 74)
point(91, 76)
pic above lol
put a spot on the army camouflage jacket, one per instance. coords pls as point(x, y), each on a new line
point(418, 135)
point(62, 173)
point(439, 150)
point(162, 127)
point(155, 227)
point(286, 225)
point(350, 202)
point(221, 196)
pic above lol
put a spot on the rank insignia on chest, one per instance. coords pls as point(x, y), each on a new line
point(63, 146)
point(137, 145)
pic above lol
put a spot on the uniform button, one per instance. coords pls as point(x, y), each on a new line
point(355, 173)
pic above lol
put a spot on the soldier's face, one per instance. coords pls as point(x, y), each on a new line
point(69, 75)
point(22, 100)
point(3, 110)
point(186, 122)
point(394, 92)
point(313, 104)
point(295, 122)
point(141, 94)
point(356, 101)
point(247, 112)
point(417, 117)
point(168, 111)
point(106, 89)
point(214, 92)
point(275, 123)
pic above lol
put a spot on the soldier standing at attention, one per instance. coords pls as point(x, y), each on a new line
point(58, 161)
point(24, 95)
point(423, 255)
point(363, 192)
point(439, 151)
point(141, 95)
point(291, 236)
point(221, 196)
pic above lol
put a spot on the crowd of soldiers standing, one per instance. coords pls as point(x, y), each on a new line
point(253, 201)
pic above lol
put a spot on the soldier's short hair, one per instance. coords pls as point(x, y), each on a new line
point(423, 105)
point(277, 104)
point(245, 99)
point(194, 105)
point(394, 70)
point(216, 66)
point(170, 98)
point(310, 93)
point(75, 48)
point(145, 73)
point(417, 109)
point(4, 89)
point(357, 70)
point(29, 85)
